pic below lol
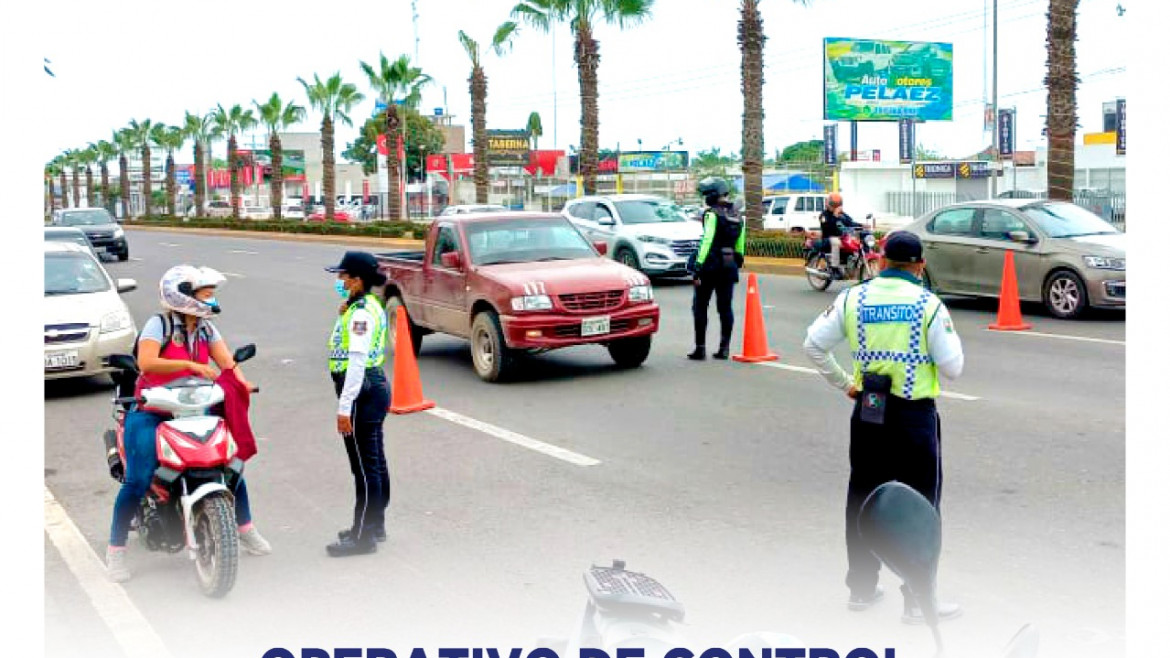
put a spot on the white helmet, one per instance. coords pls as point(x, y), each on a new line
point(177, 289)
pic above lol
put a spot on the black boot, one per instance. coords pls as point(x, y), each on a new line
point(724, 350)
point(699, 354)
point(379, 534)
point(351, 546)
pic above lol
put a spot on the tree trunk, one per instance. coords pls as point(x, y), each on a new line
point(90, 196)
point(170, 184)
point(147, 184)
point(478, 82)
point(751, 45)
point(200, 174)
point(276, 187)
point(48, 194)
point(587, 58)
point(76, 187)
point(106, 187)
point(327, 161)
point(64, 190)
point(393, 129)
point(124, 184)
point(1062, 98)
point(234, 168)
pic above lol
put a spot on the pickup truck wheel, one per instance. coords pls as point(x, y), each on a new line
point(392, 305)
point(630, 352)
point(490, 354)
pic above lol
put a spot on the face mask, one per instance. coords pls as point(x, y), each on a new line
point(339, 286)
point(213, 303)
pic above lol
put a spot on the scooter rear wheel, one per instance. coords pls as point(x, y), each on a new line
point(818, 261)
point(218, 555)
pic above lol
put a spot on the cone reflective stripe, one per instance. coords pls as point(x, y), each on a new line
point(406, 395)
point(755, 337)
point(1009, 318)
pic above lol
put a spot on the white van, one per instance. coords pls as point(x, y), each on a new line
point(796, 212)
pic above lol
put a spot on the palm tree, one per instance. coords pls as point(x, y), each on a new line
point(1061, 123)
point(230, 122)
point(52, 168)
point(751, 46)
point(334, 99)
point(70, 159)
point(278, 116)
point(535, 130)
point(171, 139)
point(62, 161)
point(141, 135)
point(105, 151)
point(393, 83)
point(477, 83)
point(201, 131)
point(125, 142)
point(581, 16)
point(87, 156)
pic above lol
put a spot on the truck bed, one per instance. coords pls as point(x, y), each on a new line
point(404, 255)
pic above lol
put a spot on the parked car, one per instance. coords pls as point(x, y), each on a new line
point(1065, 256)
point(338, 216)
point(104, 234)
point(85, 319)
point(463, 210)
point(645, 232)
point(513, 282)
point(292, 211)
point(68, 234)
point(219, 210)
point(250, 210)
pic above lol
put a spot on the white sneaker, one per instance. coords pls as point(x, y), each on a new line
point(116, 568)
point(253, 543)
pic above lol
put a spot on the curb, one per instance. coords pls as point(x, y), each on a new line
point(757, 264)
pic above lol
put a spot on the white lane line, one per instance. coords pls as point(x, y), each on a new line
point(1063, 337)
point(512, 437)
point(244, 251)
point(813, 371)
point(135, 635)
point(170, 244)
point(135, 260)
point(233, 274)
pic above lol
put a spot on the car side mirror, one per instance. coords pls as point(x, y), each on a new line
point(451, 260)
point(1022, 236)
point(244, 352)
point(601, 247)
point(126, 285)
point(606, 221)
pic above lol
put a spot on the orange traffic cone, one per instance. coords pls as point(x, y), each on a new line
point(755, 337)
point(1009, 318)
point(406, 396)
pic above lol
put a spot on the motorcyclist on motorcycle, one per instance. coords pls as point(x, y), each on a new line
point(833, 220)
point(188, 300)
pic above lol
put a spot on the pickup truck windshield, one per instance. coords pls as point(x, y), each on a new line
point(649, 212)
point(525, 241)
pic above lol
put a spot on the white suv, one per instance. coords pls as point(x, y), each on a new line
point(645, 232)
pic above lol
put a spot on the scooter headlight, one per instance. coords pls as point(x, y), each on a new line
point(167, 454)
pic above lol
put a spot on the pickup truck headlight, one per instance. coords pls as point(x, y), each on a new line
point(641, 294)
point(116, 321)
point(1102, 263)
point(532, 303)
point(654, 239)
point(118, 232)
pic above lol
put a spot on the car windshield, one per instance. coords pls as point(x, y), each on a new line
point(86, 218)
point(63, 236)
point(72, 274)
point(1067, 220)
point(649, 211)
point(525, 241)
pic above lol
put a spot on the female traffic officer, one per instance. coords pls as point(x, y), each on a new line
point(357, 352)
point(717, 265)
point(178, 344)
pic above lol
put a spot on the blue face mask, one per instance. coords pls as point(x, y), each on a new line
point(213, 303)
point(339, 286)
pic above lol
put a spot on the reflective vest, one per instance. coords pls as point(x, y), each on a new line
point(886, 321)
point(339, 340)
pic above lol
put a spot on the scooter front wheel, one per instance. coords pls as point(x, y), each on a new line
point(217, 555)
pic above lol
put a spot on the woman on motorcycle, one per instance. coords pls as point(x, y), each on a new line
point(188, 298)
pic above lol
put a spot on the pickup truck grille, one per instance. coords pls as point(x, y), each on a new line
point(574, 330)
point(593, 301)
point(684, 248)
point(66, 333)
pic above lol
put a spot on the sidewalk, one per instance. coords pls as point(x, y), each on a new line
point(758, 264)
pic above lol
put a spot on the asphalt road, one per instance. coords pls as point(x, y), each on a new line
point(725, 481)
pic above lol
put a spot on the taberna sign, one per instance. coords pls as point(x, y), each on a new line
point(830, 143)
point(1007, 132)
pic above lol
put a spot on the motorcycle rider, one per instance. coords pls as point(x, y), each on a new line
point(833, 219)
point(717, 263)
point(188, 297)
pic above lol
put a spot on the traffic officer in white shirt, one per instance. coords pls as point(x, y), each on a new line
point(357, 353)
point(901, 337)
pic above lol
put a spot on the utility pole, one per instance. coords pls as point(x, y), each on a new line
point(995, 96)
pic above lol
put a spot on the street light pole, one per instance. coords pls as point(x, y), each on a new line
point(995, 96)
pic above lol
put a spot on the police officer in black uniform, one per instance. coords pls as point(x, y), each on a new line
point(716, 265)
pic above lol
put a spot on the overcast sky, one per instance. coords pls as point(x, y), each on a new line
point(675, 76)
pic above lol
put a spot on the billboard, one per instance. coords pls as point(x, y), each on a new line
point(872, 80)
point(651, 161)
point(292, 162)
point(507, 147)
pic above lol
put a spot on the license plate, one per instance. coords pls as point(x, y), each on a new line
point(61, 360)
point(595, 326)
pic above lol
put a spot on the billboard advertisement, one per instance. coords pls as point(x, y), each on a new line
point(292, 162)
point(872, 80)
point(507, 147)
point(651, 161)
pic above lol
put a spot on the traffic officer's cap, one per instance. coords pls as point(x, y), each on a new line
point(903, 247)
point(360, 265)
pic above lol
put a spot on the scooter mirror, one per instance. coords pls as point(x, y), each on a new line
point(1026, 643)
point(904, 531)
point(244, 352)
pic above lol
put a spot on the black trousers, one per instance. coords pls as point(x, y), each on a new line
point(367, 455)
point(905, 448)
point(723, 287)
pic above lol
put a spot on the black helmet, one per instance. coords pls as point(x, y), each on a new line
point(712, 186)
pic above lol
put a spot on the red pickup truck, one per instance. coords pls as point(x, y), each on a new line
point(512, 282)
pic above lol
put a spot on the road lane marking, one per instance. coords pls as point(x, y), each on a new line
point(170, 244)
point(512, 437)
point(135, 260)
point(129, 627)
point(233, 274)
point(1086, 339)
point(814, 371)
point(244, 251)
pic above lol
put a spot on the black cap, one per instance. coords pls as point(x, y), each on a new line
point(361, 265)
point(903, 247)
